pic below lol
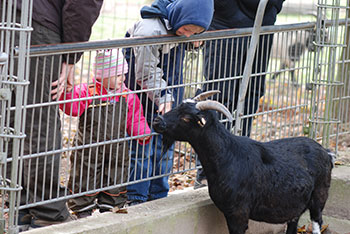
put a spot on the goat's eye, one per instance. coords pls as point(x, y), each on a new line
point(185, 119)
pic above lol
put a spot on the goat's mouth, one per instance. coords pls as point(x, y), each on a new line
point(159, 124)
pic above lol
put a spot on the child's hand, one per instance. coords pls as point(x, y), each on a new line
point(64, 82)
point(144, 139)
point(165, 107)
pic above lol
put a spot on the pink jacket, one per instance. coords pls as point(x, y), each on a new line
point(136, 122)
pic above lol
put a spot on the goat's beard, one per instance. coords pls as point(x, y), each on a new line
point(167, 143)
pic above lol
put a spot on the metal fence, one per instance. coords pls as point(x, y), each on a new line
point(15, 30)
point(304, 91)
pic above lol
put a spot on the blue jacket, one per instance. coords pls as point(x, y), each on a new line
point(157, 9)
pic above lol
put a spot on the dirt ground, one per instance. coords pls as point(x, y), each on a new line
point(343, 156)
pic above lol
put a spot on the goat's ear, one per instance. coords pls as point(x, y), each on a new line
point(201, 120)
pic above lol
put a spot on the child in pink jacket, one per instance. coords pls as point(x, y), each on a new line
point(102, 156)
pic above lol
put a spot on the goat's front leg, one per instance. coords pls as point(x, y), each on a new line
point(236, 224)
point(292, 226)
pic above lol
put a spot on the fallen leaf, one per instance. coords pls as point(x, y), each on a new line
point(309, 228)
point(119, 210)
point(302, 230)
point(324, 227)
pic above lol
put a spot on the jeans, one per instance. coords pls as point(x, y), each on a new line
point(154, 163)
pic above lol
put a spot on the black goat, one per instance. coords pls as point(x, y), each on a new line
point(273, 182)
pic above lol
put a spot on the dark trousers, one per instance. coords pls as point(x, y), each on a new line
point(40, 176)
point(226, 58)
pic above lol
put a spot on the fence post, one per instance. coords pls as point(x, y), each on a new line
point(324, 83)
point(12, 81)
point(248, 65)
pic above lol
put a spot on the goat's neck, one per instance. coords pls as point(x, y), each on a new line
point(211, 146)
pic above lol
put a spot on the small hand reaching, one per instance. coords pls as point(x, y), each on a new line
point(164, 107)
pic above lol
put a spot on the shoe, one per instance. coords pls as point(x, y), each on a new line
point(200, 184)
point(104, 207)
point(24, 220)
point(104, 210)
point(38, 223)
point(134, 202)
point(83, 214)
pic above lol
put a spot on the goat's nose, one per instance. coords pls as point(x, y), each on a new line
point(159, 124)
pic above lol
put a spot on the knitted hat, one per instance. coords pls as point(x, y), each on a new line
point(110, 63)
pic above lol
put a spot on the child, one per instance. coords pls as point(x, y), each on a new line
point(103, 120)
point(156, 68)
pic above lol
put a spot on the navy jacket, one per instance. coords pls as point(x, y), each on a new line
point(241, 13)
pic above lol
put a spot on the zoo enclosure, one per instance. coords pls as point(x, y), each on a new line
point(307, 92)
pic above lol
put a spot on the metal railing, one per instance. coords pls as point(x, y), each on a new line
point(84, 73)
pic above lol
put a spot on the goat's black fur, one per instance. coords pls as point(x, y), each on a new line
point(274, 182)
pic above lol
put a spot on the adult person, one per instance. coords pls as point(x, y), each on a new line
point(53, 22)
point(156, 68)
point(226, 57)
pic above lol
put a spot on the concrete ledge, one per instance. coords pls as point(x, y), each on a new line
point(338, 204)
point(192, 212)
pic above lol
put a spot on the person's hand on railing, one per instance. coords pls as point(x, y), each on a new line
point(64, 82)
point(197, 44)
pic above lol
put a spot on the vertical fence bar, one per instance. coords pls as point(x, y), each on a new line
point(13, 80)
point(19, 121)
point(248, 64)
point(324, 77)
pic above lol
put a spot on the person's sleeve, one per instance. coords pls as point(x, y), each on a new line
point(137, 124)
point(75, 107)
point(148, 75)
point(78, 17)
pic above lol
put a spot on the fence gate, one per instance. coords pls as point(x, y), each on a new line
point(14, 51)
point(329, 117)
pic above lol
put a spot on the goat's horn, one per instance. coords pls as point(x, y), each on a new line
point(205, 95)
point(214, 105)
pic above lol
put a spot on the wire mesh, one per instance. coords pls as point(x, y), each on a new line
point(14, 31)
point(282, 112)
